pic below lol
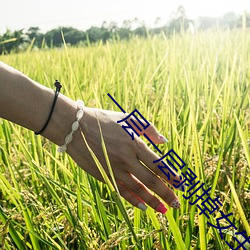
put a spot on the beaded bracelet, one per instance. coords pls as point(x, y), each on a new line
point(74, 127)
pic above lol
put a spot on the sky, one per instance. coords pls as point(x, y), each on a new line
point(81, 14)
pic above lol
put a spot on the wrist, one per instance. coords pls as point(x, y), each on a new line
point(57, 91)
point(61, 120)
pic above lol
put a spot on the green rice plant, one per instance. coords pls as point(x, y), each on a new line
point(194, 88)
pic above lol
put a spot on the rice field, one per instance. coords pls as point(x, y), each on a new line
point(194, 88)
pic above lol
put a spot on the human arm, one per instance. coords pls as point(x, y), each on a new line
point(27, 103)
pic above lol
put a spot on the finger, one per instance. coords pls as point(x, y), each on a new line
point(131, 197)
point(152, 182)
point(160, 168)
point(153, 134)
point(144, 127)
point(136, 191)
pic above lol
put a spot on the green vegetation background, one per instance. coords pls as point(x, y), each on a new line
point(20, 40)
point(194, 88)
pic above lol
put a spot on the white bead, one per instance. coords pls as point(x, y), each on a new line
point(69, 138)
point(79, 114)
point(62, 149)
point(80, 103)
point(75, 126)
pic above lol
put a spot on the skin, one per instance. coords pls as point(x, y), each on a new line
point(28, 103)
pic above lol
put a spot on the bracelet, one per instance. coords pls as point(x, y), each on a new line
point(74, 127)
point(58, 87)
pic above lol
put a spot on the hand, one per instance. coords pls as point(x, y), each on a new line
point(21, 98)
point(126, 156)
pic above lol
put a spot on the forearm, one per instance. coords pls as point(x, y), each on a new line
point(27, 103)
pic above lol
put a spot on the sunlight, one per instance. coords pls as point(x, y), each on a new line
point(214, 8)
point(82, 16)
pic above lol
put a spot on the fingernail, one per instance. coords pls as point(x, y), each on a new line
point(162, 138)
point(175, 204)
point(182, 187)
point(161, 208)
point(142, 206)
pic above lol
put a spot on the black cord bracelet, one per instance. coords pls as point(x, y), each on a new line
point(58, 87)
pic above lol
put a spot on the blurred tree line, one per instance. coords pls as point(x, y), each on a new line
point(21, 40)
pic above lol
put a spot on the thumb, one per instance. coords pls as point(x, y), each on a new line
point(154, 135)
point(143, 127)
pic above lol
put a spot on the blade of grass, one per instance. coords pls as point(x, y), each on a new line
point(115, 195)
point(239, 207)
point(12, 231)
point(176, 231)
